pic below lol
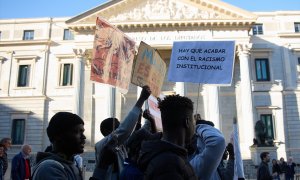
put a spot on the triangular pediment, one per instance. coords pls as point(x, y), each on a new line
point(157, 11)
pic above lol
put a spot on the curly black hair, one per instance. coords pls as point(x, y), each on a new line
point(174, 107)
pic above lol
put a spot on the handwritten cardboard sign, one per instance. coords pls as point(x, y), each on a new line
point(149, 69)
point(207, 62)
point(113, 55)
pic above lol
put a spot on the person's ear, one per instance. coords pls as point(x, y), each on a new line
point(187, 122)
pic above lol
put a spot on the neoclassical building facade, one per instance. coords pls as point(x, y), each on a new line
point(45, 68)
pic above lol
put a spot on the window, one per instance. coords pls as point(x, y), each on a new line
point(18, 131)
point(257, 29)
point(28, 35)
point(23, 75)
point(267, 120)
point(262, 69)
point(66, 75)
point(297, 26)
point(68, 35)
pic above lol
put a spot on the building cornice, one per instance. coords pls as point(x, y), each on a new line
point(22, 98)
point(25, 20)
point(20, 112)
point(26, 42)
point(259, 50)
point(289, 35)
point(277, 13)
point(267, 107)
point(173, 24)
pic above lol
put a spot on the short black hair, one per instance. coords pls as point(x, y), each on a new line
point(174, 107)
point(263, 155)
point(108, 125)
point(61, 122)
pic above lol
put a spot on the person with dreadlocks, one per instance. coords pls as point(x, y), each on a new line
point(166, 158)
point(111, 148)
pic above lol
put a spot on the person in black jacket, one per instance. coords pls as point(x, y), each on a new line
point(282, 165)
point(290, 169)
point(167, 158)
point(276, 169)
point(263, 172)
point(226, 171)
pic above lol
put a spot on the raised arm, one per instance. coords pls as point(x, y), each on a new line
point(211, 145)
point(127, 126)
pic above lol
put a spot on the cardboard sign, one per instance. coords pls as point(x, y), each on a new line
point(207, 62)
point(149, 69)
point(113, 55)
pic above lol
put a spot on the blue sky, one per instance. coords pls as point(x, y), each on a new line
point(62, 8)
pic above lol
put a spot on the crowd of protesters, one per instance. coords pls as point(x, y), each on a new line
point(188, 148)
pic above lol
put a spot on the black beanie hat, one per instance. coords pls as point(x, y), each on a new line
point(106, 126)
point(62, 122)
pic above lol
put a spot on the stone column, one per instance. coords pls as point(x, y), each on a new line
point(246, 123)
point(79, 82)
point(180, 88)
point(211, 105)
point(1, 73)
point(288, 74)
point(6, 72)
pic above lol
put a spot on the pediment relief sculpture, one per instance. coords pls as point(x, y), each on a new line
point(163, 10)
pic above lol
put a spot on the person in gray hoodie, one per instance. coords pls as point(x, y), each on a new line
point(65, 132)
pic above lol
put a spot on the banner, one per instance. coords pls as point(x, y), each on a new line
point(149, 69)
point(113, 55)
point(207, 62)
point(238, 161)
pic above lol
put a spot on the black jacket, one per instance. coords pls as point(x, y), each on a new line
point(276, 169)
point(163, 160)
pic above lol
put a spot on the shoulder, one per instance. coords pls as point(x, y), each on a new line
point(99, 145)
point(167, 159)
point(48, 167)
point(18, 156)
point(51, 163)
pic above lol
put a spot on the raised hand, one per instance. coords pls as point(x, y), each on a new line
point(144, 96)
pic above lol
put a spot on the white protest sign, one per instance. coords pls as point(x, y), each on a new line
point(155, 111)
point(207, 62)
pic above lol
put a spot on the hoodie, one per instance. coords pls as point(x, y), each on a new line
point(51, 166)
point(210, 147)
point(160, 159)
